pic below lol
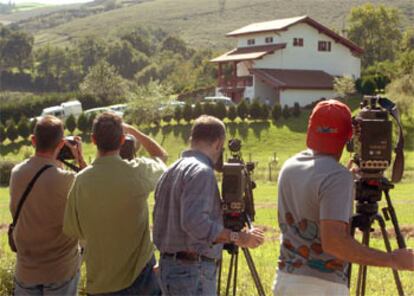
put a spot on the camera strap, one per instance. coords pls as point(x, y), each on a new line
point(27, 191)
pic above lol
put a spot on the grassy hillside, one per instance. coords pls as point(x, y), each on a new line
point(204, 22)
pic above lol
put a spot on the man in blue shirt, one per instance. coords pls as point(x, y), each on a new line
point(188, 225)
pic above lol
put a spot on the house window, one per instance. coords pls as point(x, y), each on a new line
point(269, 40)
point(298, 42)
point(324, 45)
point(250, 42)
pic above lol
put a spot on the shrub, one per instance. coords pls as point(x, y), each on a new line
point(264, 113)
point(210, 109)
point(198, 110)
point(220, 110)
point(11, 131)
point(232, 113)
point(6, 167)
point(91, 119)
point(296, 110)
point(286, 112)
point(23, 128)
point(368, 86)
point(32, 125)
point(178, 114)
point(3, 135)
point(243, 110)
point(83, 123)
point(255, 110)
point(276, 112)
point(187, 112)
point(70, 123)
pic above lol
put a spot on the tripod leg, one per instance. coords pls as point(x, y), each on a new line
point(236, 266)
point(253, 271)
point(350, 264)
point(388, 248)
point(219, 277)
point(230, 274)
point(362, 272)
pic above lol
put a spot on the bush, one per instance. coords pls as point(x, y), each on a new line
point(232, 113)
point(83, 123)
point(11, 131)
point(296, 110)
point(368, 86)
point(286, 112)
point(243, 110)
point(220, 110)
point(255, 110)
point(198, 110)
point(6, 167)
point(70, 123)
point(210, 109)
point(187, 112)
point(178, 114)
point(23, 128)
point(91, 119)
point(276, 112)
point(32, 125)
point(264, 113)
point(3, 135)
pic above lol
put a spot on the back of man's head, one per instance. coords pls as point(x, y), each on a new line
point(48, 133)
point(329, 128)
point(107, 132)
point(207, 129)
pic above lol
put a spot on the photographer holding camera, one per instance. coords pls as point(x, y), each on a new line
point(107, 208)
point(315, 197)
point(188, 222)
point(47, 260)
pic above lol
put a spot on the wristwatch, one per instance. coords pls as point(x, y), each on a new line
point(234, 237)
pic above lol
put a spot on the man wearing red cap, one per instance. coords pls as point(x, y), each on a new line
point(314, 208)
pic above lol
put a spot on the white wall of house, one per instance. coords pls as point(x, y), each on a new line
point(340, 61)
point(263, 91)
point(304, 96)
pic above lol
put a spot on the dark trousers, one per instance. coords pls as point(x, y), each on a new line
point(146, 284)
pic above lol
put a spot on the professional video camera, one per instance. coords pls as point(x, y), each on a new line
point(237, 189)
point(372, 147)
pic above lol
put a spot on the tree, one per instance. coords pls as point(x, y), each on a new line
point(220, 110)
point(83, 123)
point(187, 112)
point(286, 112)
point(70, 123)
point(23, 128)
point(344, 86)
point(198, 110)
point(276, 112)
point(242, 110)
point(209, 109)
point(178, 114)
point(232, 113)
point(91, 50)
point(368, 86)
point(15, 49)
point(12, 133)
point(255, 110)
point(377, 30)
point(264, 113)
point(296, 110)
point(3, 135)
point(104, 82)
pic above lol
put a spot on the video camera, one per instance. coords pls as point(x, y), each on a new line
point(237, 190)
point(372, 147)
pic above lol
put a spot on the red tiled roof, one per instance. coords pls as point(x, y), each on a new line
point(248, 53)
point(284, 24)
point(295, 79)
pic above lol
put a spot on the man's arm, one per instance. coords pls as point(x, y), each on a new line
point(251, 239)
point(337, 241)
point(149, 144)
point(71, 225)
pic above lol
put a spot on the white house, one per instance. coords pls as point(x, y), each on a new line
point(286, 61)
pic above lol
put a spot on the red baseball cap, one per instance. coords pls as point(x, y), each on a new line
point(329, 127)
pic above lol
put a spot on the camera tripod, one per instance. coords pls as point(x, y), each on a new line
point(368, 195)
point(233, 268)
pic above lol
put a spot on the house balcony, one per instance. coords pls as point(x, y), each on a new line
point(235, 87)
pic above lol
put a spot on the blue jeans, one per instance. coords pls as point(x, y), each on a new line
point(146, 284)
point(69, 288)
point(183, 278)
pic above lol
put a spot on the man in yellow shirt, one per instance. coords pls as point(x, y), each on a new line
point(107, 208)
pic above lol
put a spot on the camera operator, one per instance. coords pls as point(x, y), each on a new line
point(47, 260)
point(315, 197)
point(188, 224)
point(107, 208)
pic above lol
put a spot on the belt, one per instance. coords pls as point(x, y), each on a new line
point(188, 256)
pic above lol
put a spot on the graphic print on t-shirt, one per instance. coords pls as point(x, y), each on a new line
point(295, 257)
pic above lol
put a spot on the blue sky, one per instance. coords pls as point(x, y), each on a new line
point(54, 2)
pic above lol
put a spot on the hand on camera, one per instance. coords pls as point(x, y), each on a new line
point(77, 151)
point(403, 259)
point(251, 239)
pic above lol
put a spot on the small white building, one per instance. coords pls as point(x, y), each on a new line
point(286, 61)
